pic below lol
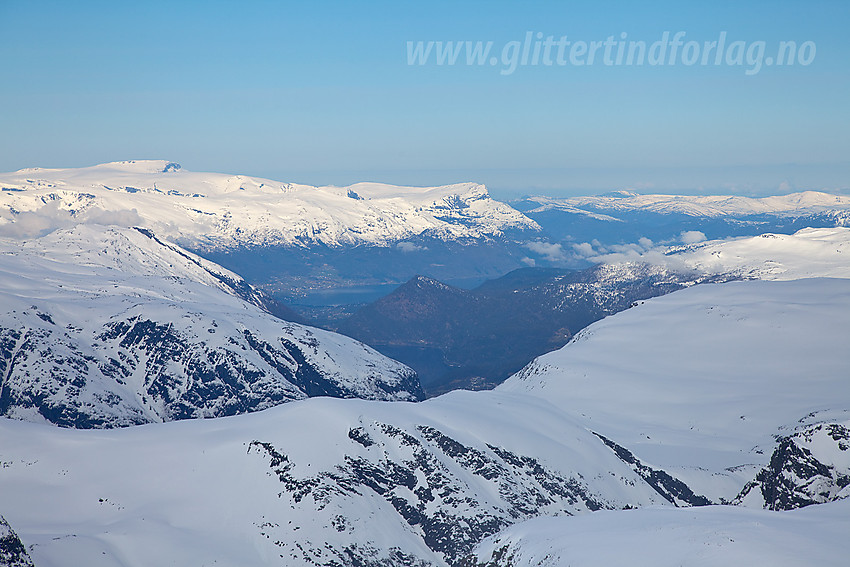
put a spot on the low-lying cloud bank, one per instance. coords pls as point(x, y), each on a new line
point(50, 217)
point(644, 250)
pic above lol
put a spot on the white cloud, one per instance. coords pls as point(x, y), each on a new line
point(644, 251)
point(692, 236)
point(584, 249)
point(121, 218)
point(528, 261)
point(629, 254)
point(30, 224)
point(549, 251)
point(410, 247)
point(596, 252)
point(50, 217)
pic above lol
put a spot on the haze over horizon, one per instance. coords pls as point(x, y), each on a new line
point(330, 94)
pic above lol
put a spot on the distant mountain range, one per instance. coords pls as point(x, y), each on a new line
point(709, 206)
point(106, 327)
point(624, 217)
point(214, 211)
point(287, 238)
point(296, 240)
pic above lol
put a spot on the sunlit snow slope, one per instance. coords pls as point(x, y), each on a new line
point(716, 536)
point(683, 400)
point(706, 377)
point(810, 252)
point(213, 210)
point(104, 327)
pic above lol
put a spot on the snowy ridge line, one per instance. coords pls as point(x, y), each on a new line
point(214, 211)
point(713, 206)
point(107, 327)
point(731, 365)
point(328, 481)
point(126, 252)
point(809, 252)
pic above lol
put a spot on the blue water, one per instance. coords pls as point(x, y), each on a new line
point(365, 293)
point(346, 295)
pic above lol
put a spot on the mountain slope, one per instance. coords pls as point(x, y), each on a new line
point(456, 338)
point(809, 252)
point(702, 378)
point(809, 466)
point(320, 481)
point(12, 550)
point(104, 327)
point(218, 211)
point(701, 537)
point(330, 482)
point(477, 338)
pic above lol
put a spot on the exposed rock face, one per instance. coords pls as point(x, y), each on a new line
point(114, 327)
point(432, 481)
point(672, 489)
point(811, 466)
point(141, 370)
point(12, 550)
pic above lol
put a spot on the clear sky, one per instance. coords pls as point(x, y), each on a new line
point(323, 92)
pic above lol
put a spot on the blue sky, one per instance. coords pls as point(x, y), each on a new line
point(322, 92)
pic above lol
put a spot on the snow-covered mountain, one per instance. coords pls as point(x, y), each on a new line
point(713, 536)
point(732, 394)
point(326, 481)
point(794, 205)
point(732, 367)
point(809, 252)
point(104, 327)
point(214, 211)
point(715, 392)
